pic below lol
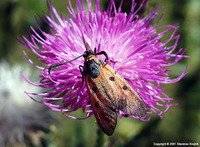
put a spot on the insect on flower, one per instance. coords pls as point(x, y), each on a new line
point(108, 91)
point(138, 50)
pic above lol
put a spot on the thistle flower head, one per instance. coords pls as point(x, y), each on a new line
point(130, 40)
point(21, 120)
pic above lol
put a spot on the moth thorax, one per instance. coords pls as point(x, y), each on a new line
point(91, 57)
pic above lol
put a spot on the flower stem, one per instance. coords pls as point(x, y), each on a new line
point(100, 138)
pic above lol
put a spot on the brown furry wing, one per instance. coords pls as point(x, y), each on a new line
point(125, 97)
point(109, 92)
point(102, 103)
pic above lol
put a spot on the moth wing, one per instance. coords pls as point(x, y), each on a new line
point(125, 97)
point(103, 107)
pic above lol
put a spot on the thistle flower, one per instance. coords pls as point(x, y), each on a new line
point(130, 40)
point(21, 120)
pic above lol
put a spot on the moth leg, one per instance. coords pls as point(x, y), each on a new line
point(103, 53)
point(113, 61)
point(81, 68)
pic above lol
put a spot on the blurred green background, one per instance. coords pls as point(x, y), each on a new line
point(180, 124)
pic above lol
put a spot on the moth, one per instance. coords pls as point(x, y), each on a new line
point(108, 91)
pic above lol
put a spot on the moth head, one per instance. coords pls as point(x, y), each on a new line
point(87, 53)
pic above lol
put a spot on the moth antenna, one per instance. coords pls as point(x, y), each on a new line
point(87, 47)
point(95, 50)
point(59, 64)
